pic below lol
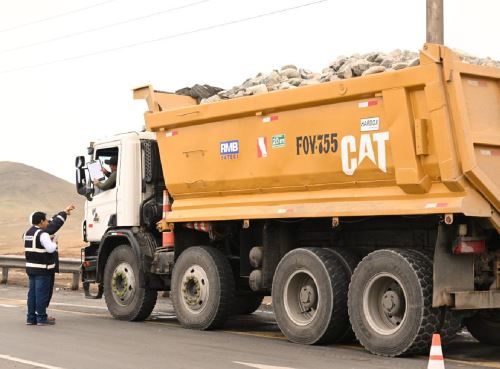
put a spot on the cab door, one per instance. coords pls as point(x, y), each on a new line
point(101, 212)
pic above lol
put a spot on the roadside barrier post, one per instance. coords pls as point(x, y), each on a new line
point(5, 275)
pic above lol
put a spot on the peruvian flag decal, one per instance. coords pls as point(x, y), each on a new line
point(262, 147)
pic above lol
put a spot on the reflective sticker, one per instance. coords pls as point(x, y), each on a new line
point(262, 147)
point(432, 205)
point(171, 133)
point(284, 211)
point(368, 103)
point(269, 119)
point(486, 152)
point(476, 83)
point(370, 124)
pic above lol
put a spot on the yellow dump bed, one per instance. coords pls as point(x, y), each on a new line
point(421, 140)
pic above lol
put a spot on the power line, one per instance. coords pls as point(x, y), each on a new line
point(55, 16)
point(101, 28)
point(198, 30)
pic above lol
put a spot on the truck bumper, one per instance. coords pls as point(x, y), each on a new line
point(477, 300)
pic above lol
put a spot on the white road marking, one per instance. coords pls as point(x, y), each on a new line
point(8, 306)
point(76, 305)
point(59, 304)
point(35, 364)
point(262, 366)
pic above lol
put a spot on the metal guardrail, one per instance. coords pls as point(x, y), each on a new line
point(16, 261)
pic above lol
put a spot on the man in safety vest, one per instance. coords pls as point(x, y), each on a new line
point(41, 261)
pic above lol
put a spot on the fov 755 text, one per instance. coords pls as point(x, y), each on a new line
point(317, 144)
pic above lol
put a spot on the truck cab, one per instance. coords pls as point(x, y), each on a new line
point(118, 206)
point(127, 212)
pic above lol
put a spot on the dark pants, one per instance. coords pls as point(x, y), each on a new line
point(38, 294)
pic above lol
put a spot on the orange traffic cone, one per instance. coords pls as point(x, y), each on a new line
point(436, 360)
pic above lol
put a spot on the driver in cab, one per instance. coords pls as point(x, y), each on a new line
point(110, 182)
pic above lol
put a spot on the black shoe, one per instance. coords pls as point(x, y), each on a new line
point(30, 323)
point(47, 322)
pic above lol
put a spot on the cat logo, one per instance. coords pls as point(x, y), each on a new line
point(353, 155)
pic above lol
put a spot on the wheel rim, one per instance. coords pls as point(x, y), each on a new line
point(384, 303)
point(301, 298)
point(195, 289)
point(123, 284)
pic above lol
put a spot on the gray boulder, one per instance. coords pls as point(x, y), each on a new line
point(256, 90)
point(374, 69)
point(290, 73)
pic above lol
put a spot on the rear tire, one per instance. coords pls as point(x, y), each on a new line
point(450, 320)
point(202, 288)
point(124, 296)
point(309, 296)
point(349, 261)
point(451, 324)
point(390, 303)
point(485, 326)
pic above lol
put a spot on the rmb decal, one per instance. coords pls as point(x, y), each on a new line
point(229, 149)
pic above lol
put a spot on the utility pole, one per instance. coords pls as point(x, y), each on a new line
point(435, 25)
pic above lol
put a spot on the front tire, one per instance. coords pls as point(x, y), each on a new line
point(309, 296)
point(124, 296)
point(202, 288)
point(390, 303)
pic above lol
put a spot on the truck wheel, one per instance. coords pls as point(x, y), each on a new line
point(309, 296)
point(247, 304)
point(451, 324)
point(125, 298)
point(390, 303)
point(450, 321)
point(202, 288)
point(485, 326)
point(349, 261)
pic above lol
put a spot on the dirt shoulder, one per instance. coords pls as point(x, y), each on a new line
point(18, 277)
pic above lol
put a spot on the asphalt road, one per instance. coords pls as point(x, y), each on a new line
point(86, 336)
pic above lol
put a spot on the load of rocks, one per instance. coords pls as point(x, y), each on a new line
point(344, 67)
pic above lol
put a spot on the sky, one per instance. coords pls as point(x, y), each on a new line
point(68, 67)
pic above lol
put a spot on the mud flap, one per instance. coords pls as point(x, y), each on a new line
point(451, 272)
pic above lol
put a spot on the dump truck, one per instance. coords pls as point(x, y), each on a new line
point(367, 208)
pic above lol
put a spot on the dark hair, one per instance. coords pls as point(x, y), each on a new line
point(112, 160)
point(37, 217)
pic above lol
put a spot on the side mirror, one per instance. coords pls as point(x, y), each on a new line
point(81, 183)
point(80, 162)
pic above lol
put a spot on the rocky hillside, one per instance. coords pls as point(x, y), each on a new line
point(24, 189)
